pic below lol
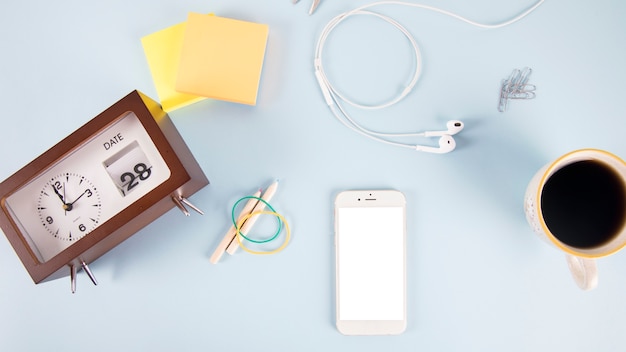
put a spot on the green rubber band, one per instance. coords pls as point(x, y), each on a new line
point(232, 213)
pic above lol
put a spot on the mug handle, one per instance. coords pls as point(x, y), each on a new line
point(584, 271)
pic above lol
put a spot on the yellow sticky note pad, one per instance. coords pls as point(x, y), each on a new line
point(162, 51)
point(222, 58)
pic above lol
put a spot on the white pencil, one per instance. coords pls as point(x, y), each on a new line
point(230, 235)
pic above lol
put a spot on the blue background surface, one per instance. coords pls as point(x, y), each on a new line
point(478, 278)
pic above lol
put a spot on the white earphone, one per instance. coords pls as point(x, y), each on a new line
point(334, 99)
point(446, 145)
point(454, 127)
point(446, 142)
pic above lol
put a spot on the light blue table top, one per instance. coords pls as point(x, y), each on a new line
point(478, 278)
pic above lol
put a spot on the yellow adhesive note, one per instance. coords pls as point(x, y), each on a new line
point(222, 58)
point(162, 51)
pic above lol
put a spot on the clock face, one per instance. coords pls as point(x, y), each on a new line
point(69, 206)
point(94, 182)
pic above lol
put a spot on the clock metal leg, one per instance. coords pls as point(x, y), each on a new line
point(180, 206)
point(89, 273)
point(186, 201)
point(73, 278)
point(181, 201)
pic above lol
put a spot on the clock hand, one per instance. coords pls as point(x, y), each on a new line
point(58, 194)
point(69, 206)
point(65, 207)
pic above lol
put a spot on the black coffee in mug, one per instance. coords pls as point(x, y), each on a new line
point(584, 204)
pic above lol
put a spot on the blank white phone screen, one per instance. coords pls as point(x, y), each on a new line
point(370, 263)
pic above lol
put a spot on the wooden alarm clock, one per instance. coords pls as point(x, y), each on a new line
point(97, 187)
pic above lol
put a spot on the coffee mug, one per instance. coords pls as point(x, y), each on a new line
point(577, 203)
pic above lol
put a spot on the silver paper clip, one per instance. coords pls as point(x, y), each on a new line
point(516, 87)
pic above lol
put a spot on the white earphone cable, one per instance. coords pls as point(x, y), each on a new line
point(334, 98)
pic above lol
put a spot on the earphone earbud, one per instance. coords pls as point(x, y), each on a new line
point(454, 127)
point(446, 145)
point(446, 142)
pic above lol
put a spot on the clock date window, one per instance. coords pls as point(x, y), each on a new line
point(129, 168)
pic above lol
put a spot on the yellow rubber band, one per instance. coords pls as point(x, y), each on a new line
point(265, 212)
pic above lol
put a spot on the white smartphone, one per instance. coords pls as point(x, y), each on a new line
point(370, 244)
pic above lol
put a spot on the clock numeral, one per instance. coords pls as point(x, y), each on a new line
point(57, 185)
point(49, 220)
point(82, 227)
point(143, 171)
point(131, 180)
